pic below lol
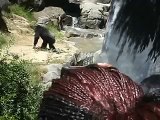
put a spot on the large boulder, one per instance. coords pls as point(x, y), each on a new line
point(49, 14)
point(53, 71)
point(93, 15)
point(4, 5)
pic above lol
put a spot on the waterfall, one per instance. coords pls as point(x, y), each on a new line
point(133, 65)
point(74, 22)
point(113, 15)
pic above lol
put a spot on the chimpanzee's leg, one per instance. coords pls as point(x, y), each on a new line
point(51, 46)
point(44, 45)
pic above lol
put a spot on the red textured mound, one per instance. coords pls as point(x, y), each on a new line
point(93, 92)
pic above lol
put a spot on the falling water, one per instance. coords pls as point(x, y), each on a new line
point(133, 65)
point(74, 21)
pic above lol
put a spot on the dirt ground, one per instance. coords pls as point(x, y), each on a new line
point(22, 46)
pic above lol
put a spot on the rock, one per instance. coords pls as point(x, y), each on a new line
point(50, 13)
point(53, 72)
point(84, 33)
point(67, 20)
point(43, 20)
point(71, 32)
point(96, 56)
point(81, 59)
point(4, 5)
point(94, 16)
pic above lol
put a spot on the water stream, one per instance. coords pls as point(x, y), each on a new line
point(89, 40)
point(74, 22)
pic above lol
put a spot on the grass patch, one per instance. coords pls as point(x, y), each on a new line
point(5, 39)
point(56, 61)
point(2, 40)
point(58, 34)
point(35, 72)
point(21, 11)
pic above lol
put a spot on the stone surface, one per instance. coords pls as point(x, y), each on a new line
point(49, 14)
point(93, 15)
point(4, 4)
point(84, 33)
point(81, 59)
point(53, 72)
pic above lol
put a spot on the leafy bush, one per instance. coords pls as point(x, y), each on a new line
point(19, 95)
point(21, 11)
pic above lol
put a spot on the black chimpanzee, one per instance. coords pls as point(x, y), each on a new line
point(45, 34)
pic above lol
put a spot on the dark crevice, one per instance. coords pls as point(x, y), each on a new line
point(69, 8)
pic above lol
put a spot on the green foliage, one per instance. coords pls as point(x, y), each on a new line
point(59, 35)
point(19, 95)
point(4, 39)
point(21, 11)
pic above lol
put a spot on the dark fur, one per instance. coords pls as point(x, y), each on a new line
point(46, 36)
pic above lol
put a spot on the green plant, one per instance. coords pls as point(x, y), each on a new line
point(5, 39)
point(59, 35)
point(20, 95)
point(21, 11)
point(2, 40)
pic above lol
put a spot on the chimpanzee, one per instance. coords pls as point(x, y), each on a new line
point(45, 34)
